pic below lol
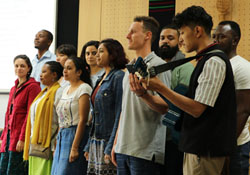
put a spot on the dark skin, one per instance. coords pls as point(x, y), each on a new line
point(228, 41)
point(42, 42)
point(243, 108)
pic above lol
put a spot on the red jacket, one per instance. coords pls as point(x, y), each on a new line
point(22, 100)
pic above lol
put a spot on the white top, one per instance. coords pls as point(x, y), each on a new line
point(64, 83)
point(241, 71)
point(68, 106)
point(33, 109)
point(210, 81)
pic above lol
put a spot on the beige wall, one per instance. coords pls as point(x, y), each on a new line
point(100, 19)
point(89, 22)
point(238, 11)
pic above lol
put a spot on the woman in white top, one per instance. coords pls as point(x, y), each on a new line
point(72, 110)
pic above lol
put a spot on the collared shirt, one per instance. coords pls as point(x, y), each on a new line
point(37, 65)
point(210, 81)
point(141, 133)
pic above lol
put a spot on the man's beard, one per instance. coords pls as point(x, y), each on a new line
point(167, 52)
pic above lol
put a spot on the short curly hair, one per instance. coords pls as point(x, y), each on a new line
point(234, 26)
point(49, 34)
point(171, 26)
point(193, 16)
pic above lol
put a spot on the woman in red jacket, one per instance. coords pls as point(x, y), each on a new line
point(20, 98)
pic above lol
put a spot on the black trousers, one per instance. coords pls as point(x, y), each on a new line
point(173, 160)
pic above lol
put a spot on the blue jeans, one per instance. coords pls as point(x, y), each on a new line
point(239, 161)
point(128, 165)
point(61, 165)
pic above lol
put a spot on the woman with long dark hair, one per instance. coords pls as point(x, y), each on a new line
point(88, 54)
point(106, 101)
point(72, 110)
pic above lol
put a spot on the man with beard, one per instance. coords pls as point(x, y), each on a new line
point(180, 76)
point(228, 34)
point(169, 51)
point(42, 42)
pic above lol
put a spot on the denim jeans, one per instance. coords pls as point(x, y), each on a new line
point(128, 165)
point(61, 165)
point(239, 161)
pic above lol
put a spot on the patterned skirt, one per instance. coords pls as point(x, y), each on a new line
point(96, 165)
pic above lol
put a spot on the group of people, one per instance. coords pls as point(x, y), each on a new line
point(88, 115)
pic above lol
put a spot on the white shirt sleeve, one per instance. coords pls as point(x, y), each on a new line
point(210, 81)
point(241, 70)
point(83, 89)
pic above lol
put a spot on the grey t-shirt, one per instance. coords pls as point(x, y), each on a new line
point(141, 132)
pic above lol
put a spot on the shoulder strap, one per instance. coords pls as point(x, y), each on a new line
point(55, 133)
point(153, 71)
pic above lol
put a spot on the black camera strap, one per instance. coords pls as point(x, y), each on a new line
point(153, 71)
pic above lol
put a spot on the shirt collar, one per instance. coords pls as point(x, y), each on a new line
point(178, 56)
point(207, 49)
point(149, 57)
point(47, 54)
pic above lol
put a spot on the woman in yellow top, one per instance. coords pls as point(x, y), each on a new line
point(42, 123)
